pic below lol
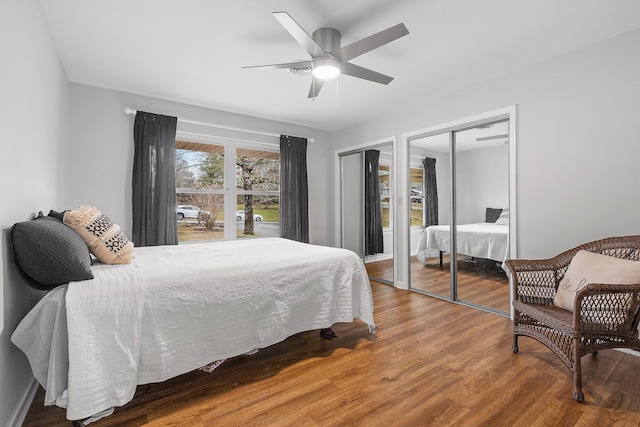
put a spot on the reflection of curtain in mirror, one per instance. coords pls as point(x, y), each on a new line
point(154, 182)
point(373, 241)
point(430, 189)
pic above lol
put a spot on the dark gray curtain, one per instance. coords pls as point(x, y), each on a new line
point(430, 189)
point(373, 241)
point(154, 182)
point(294, 193)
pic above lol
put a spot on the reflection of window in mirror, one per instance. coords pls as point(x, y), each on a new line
point(417, 196)
point(385, 194)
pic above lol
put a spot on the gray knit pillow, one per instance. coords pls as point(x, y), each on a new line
point(50, 253)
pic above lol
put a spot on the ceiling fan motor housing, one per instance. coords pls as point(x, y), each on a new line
point(327, 38)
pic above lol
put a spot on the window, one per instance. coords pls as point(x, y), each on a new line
point(416, 196)
point(204, 189)
point(385, 194)
point(200, 191)
point(258, 193)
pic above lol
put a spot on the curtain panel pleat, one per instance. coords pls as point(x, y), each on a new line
point(430, 189)
point(294, 193)
point(154, 183)
point(373, 238)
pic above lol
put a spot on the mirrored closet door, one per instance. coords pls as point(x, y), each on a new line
point(366, 207)
point(430, 202)
point(463, 240)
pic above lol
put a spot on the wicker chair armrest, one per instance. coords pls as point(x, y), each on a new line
point(525, 265)
point(607, 308)
point(598, 288)
point(536, 281)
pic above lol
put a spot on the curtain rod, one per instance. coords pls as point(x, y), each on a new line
point(132, 111)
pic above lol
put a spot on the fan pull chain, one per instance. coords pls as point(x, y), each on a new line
point(313, 83)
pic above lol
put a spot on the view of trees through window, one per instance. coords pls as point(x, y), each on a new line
point(385, 194)
point(417, 196)
point(258, 187)
point(200, 192)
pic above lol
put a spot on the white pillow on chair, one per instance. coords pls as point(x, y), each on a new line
point(588, 267)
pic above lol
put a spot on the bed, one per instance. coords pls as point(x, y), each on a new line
point(486, 240)
point(174, 309)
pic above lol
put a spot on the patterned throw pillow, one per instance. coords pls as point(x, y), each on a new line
point(105, 239)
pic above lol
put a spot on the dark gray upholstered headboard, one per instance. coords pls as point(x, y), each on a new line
point(492, 214)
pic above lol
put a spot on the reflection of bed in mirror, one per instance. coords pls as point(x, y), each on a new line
point(485, 240)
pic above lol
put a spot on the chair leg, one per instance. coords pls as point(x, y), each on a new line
point(514, 346)
point(578, 396)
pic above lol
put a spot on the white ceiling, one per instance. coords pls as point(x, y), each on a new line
point(192, 51)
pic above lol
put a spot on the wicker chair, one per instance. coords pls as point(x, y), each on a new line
point(572, 335)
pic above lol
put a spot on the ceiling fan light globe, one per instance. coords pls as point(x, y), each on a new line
point(326, 69)
point(326, 72)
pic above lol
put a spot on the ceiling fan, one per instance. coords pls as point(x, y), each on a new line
point(328, 58)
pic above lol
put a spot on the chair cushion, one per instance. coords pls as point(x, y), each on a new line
point(105, 239)
point(588, 267)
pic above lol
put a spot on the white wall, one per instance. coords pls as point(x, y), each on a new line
point(34, 107)
point(482, 181)
point(578, 146)
point(102, 152)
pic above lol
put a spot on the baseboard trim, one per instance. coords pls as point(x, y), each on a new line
point(20, 412)
point(377, 257)
point(628, 351)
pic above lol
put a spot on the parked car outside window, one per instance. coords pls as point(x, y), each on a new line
point(187, 211)
point(240, 216)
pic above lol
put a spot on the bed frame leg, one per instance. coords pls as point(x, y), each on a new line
point(440, 258)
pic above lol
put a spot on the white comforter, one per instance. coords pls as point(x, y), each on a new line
point(481, 240)
point(177, 308)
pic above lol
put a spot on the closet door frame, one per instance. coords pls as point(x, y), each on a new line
point(352, 225)
point(404, 248)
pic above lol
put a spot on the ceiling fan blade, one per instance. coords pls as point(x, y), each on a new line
point(316, 85)
point(367, 44)
point(297, 64)
point(364, 73)
point(300, 35)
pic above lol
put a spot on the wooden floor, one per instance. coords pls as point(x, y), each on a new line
point(431, 363)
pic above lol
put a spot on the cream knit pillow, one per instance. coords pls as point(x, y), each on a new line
point(105, 239)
